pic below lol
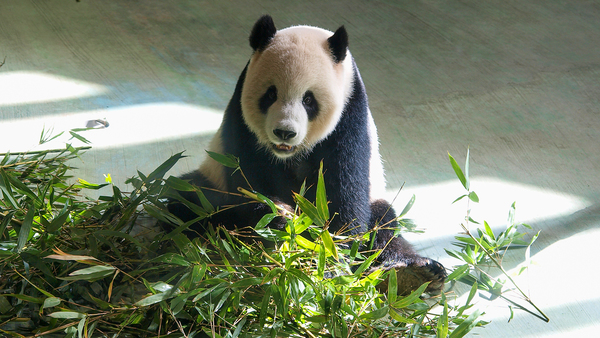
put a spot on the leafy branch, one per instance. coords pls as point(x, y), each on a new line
point(490, 246)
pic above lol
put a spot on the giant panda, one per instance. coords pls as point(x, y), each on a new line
point(301, 101)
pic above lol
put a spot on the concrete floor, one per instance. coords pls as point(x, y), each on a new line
point(516, 81)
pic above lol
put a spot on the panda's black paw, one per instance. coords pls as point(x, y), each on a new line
point(412, 274)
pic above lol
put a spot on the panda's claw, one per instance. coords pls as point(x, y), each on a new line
point(410, 276)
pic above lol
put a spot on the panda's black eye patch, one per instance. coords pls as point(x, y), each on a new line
point(268, 98)
point(310, 105)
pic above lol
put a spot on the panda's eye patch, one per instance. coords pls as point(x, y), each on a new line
point(310, 105)
point(268, 98)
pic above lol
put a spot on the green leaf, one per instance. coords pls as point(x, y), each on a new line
point(466, 326)
point(459, 198)
point(442, 325)
point(206, 205)
point(406, 301)
point(264, 307)
point(81, 327)
point(458, 272)
point(159, 297)
point(112, 233)
point(171, 258)
point(91, 273)
point(87, 185)
point(488, 230)
point(309, 209)
point(60, 219)
point(458, 171)
point(51, 302)
point(408, 206)
point(25, 298)
point(267, 201)
point(329, 245)
point(396, 316)
point(265, 220)
point(6, 221)
point(79, 137)
point(321, 263)
point(366, 264)
point(246, 282)
point(376, 314)
point(7, 192)
point(228, 160)
point(392, 286)
point(25, 228)
point(321, 196)
point(160, 172)
point(67, 315)
point(473, 197)
point(20, 186)
point(179, 184)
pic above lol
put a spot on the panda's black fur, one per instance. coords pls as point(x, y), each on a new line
point(346, 154)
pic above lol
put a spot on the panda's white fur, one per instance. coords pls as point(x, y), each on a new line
point(300, 102)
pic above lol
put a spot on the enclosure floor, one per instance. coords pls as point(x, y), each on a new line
point(516, 82)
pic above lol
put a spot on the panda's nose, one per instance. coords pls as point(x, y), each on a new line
point(284, 135)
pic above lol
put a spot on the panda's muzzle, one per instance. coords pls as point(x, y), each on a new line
point(284, 147)
point(284, 135)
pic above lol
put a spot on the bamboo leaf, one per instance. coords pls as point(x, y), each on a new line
point(79, 137)
point(473, 197)
point(246, 282)
point(67, 315)
point(309, 209)
point(392, 286)
point(488, 230)
point(179, 184)
point(171, 258)
point(376, 314)
point(458, 171)
point(406, 301)
point(59, 220)
point(408, 206)
point(160, 172)
point(20, 186)
point(93, 269)
point(442, 326)
point(329, 245)
point(265, 220)
point(228, 160)
point(25, 229)
point(321, 263)
point(159, 297)
point(458, 272)
point(466, 326)
point(51, 302)
point(397, 316)
point(7, 192)
point(366, 264)
point(321, 196)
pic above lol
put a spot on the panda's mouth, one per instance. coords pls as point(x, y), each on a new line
point(284, 148)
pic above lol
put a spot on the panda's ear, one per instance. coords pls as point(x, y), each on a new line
point(262, 33)
point(338, 44)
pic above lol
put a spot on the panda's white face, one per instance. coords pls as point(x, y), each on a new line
point(294, 92)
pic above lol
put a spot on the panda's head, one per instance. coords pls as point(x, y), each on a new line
point(297, 83)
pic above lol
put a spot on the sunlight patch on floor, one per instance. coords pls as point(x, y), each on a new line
point(434, 210)
point(130, 125)
point(19, 88)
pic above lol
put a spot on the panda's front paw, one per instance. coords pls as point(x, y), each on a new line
point(412, 274)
